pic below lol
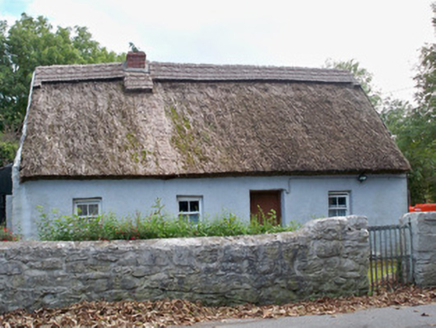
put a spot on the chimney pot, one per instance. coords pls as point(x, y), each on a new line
point(136, 59)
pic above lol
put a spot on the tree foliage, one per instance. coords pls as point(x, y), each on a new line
point(426, 78)
point(415, 128)
point(411, 130)
point(29, 43)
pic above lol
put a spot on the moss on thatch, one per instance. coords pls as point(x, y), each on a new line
point(185, 140)
point(195, 128)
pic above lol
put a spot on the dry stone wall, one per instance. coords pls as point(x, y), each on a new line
point(423, 226)
point(325, 257)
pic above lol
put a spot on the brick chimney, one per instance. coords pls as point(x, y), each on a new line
point(135, 59)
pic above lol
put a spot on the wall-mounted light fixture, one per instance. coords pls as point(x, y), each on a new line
point(361, 178)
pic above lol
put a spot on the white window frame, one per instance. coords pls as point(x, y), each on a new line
point(188, 214)
point(337, 207)
point(87, 201)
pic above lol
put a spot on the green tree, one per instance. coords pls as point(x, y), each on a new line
point(411, 130)
point(414, 128)
point(426, 77)
point(29, 43)
point(422, 131)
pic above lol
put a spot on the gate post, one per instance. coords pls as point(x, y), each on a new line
point(423, 246)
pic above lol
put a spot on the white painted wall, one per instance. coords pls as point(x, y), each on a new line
point(382, 198)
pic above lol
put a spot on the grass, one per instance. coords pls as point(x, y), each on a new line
point(389, 268)
point(385, 273)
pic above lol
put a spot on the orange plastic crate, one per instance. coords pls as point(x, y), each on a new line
point(423, 208)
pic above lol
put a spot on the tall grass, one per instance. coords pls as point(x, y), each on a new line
point(155, 225)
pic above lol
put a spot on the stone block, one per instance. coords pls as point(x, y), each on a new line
point(207, 254)
point(99, 285)
point(127, 283)
point(47, 264)
point(128, 260)
point(76, 267)
point(142, 271)
point(76, 256)
point(307, 267)
point(357, 222)
point(327, 249)
point(11, 268)
point(348, 265)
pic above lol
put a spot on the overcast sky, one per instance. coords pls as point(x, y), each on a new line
point(383, 35)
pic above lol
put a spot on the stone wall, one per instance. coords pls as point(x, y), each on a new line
point(325, 257)
point(423, 227)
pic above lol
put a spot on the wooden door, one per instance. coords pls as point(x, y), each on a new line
point(263, 202)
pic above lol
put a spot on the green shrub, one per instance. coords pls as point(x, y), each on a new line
point(156, 225)
point(8, 150)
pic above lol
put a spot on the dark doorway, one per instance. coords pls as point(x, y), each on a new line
point(5, 189)
point(2, 209)
point(262, 202)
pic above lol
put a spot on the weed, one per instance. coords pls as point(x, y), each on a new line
point(6, 235)
point(157, 224)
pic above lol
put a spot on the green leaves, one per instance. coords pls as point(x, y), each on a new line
point(415, 128)
point(412, 131)
point(8, 148)
point(157, 224)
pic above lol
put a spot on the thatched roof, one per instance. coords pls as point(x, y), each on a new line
point(170, 120)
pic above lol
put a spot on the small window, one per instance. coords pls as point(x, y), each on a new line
point(190, 208)
point(87, 208)
point(339, 204)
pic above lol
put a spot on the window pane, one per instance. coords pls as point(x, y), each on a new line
point(332, 213)
point(332, 201)
point(183, 206)
point(342, 212)
point(194, 206)
point(93, 209)
point(342, 201)
point(82, 209)
point(194, 218)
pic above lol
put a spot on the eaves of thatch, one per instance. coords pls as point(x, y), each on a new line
point(185, 120)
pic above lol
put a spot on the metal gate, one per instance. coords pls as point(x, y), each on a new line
point(390, 261)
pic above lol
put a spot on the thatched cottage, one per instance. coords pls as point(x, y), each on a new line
point(204, 139)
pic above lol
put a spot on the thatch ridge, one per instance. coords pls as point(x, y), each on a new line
point(210, 72)
point(188, 72)
point(193, 129)
point(65, 73)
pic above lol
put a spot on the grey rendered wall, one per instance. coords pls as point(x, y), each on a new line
point(382, 198)
point(423, 227)
point(326, 257)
